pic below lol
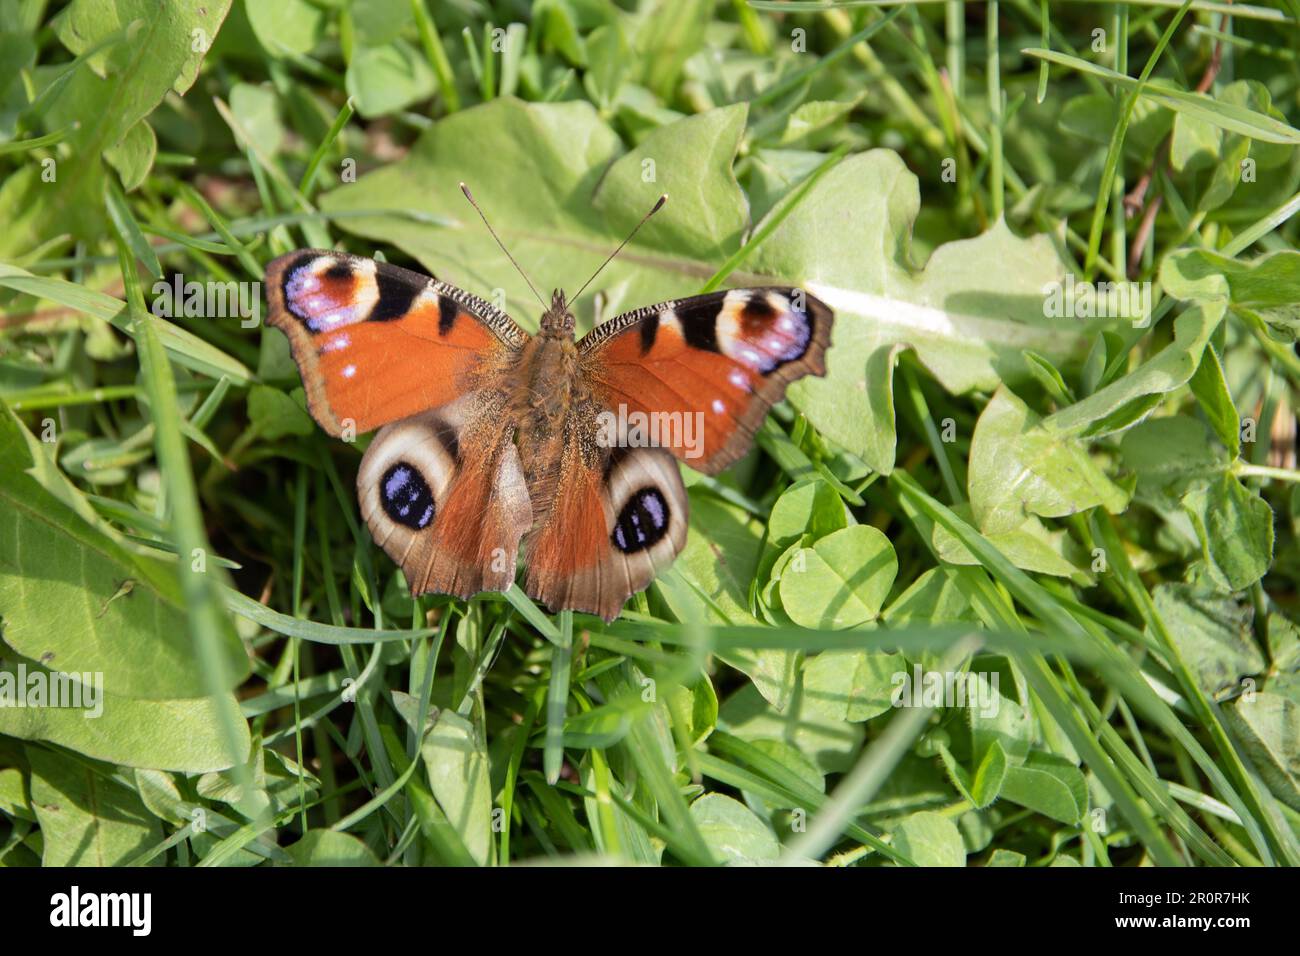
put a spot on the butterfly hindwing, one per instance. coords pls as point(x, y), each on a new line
point(707, 368)
point(377, 343)
point(444, 495)
point(613, 523)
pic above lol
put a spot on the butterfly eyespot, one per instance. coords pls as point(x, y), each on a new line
point(405, 496)
point(642, 523)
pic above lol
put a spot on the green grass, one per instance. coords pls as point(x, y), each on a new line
point(1087, 521)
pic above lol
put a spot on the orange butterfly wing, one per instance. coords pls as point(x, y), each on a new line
point(614, 523)
point(377, 343)
point(704, 371)
point(710, 367)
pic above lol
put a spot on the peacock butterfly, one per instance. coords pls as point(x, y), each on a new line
point(488, 434)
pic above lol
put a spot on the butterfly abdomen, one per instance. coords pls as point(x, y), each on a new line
point(545, 392)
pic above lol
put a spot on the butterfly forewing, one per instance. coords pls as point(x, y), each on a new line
point(377, 343)
point(701, 373)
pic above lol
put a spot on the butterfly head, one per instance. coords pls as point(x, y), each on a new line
point(558, 320)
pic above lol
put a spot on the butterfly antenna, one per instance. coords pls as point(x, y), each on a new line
point(470, 197)
point(657, 206)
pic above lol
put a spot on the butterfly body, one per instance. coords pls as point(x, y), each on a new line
point(490, 438)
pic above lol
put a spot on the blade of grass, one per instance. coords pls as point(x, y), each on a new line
point(186, 348)
point(1058, 621)
point(1117, 135)
point(214, 638)
point(36, 142)
point(786, 207)
point(793, 81)
point(557, 698)
point(341, 120)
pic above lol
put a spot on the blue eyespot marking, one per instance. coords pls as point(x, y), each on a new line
point(405, 496)
point(642, 523)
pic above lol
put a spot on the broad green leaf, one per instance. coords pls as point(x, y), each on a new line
point(694, 708)
point(1049, 377)
point(377, 22)
point(811, 118)
point(1268, 286)
point(851, 685)
point(732, 831)
point(1001, 857)
point(841, 581)
point(180, 735)
point(1269, 726)
point(996, 718)
point(457, 765)
point(1235, 526)
point(385, 79)
point(982, 787)
point(14, 801)
point(930, 839)
point(772, 173)
point(1107, 409)
point(160, 794)
point(1018, 469)
point(562, 193)
point(328, 848)
point(272, 783)
point(1283, 643)
point(808, 507)
point(1211, 391)
point(1168, 454)
point(286, 26)
point(121, 614)
point(829, 743)
point(691, 161)
point(1213, 634)
point(1093, 116)
point(1197, 143)
point(1048, 784)
point(257, 109)
point(878, 439)
point(987, 782)
point(133, 156)
point(157, 51)
point(86, 819)
point(275, 415)
point(1031, 547)
point(933, 598)
point(968, 319)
